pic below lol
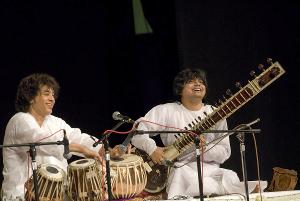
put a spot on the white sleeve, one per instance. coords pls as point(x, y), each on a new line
point(23, 129)
point(84, 139)
point(218, 152)
point(144, 142)
point(150, 122)
point(76, 136)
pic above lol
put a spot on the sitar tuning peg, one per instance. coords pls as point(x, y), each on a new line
point(270, 61)
point(228, 92)
point(238, 85)
point(261, 67)
point(252, 73)
point(224, 98)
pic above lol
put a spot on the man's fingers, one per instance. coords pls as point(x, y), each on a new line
point(129, 148)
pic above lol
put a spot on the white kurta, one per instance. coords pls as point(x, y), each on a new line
point(184, 180)
point(23, 128)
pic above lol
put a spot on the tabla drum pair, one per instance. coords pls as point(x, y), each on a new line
point(83, 182)
point(86, 180)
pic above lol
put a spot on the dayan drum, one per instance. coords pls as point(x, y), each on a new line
point(50, 184)
point(128, 176)
point(84, 180)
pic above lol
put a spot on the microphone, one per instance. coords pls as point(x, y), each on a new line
point(119, 117)
point(66, 154)
point(127, 140)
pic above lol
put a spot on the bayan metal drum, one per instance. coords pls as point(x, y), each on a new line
point(50, 184)
point(128, 176)
point(85, 180)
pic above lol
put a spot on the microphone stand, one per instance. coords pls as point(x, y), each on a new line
point(107, 162)
point(197, 140)
point(104, 140)
point(198, 153)
point(241, 138)
point(32, 152)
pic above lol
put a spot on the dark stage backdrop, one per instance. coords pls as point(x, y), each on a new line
point(103, 66)
point(230, 40)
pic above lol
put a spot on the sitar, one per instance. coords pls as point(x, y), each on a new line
point(157, 177)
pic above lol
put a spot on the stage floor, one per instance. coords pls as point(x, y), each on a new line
point(266, 196)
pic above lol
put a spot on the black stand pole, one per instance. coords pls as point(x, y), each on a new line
point(104, 140)
point(107, 160)
point(197, 141)
point(241, 138)
point(32, 152)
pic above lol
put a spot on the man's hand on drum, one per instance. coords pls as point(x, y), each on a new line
point(88, 153)
point(158, 155)
point(119, 150)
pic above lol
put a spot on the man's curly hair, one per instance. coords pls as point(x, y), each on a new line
point(29, 87)
point(184, 76)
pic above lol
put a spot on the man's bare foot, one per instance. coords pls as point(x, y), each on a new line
point(256, 189)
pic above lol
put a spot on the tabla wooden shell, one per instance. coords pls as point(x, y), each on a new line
point(84, 181)
point(50, 184)
point(128, 176)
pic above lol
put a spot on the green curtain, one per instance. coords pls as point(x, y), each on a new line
point(141, 25)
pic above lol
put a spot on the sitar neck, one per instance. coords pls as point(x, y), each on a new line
point(230, 105)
